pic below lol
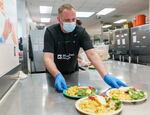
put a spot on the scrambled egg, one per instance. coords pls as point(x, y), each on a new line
point(95, 107)
point(72, 91)
point(81, 91)
point(120, 94)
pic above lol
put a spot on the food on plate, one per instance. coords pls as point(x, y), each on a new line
point(99, 105)
point(80, 91)
point(128, 94)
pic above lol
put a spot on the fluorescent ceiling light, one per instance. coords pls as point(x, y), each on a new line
point(107, 26)
point(106, 11)
point(45, 9)
point(45, 20)
point(120, 21)
point(84, 14)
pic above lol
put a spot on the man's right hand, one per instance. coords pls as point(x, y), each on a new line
point(60, 83)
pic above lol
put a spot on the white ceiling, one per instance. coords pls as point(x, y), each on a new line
point(124, 8)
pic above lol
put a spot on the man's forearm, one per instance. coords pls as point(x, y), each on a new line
point(51, 67)
point(96, 61)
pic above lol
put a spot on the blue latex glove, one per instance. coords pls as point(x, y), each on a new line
point(113, 82)
point(60, 83)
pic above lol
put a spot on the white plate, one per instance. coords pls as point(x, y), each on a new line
point(89, 113)
point(127, 101)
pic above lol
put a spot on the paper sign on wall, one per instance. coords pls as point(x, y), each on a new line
point(144, 37)
point(134, 33)
point(134, 39)
point(118, 42)
point(125, 34)
point(117, 36)
point(123, 41)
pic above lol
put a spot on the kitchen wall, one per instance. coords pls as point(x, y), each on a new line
point(8, 37)
point(149, 11)
point(25, 25)
point(23, 19)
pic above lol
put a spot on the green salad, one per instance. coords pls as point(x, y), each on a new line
point(77, 91)
point(118, 103)
point(136, 94)
point(86, 92)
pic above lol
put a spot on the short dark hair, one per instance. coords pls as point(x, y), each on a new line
point(64, 6)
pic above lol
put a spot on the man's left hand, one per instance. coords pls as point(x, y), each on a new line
point(113, 81)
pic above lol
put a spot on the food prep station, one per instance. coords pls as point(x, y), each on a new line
point(34, 96)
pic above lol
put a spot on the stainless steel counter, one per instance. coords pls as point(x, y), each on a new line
point(33, 96)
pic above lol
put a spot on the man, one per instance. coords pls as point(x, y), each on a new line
point(61, 46)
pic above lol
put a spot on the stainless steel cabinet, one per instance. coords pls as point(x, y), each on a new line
point(140, 40)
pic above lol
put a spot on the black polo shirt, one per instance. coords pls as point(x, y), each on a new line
point(65, 46)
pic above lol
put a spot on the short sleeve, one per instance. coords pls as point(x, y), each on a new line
point(86, 42)
point(48, 42)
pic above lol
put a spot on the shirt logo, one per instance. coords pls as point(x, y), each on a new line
point(65, 56)
point(59, 56)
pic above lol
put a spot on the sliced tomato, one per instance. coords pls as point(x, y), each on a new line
point(90, 87)
point(91, 97)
